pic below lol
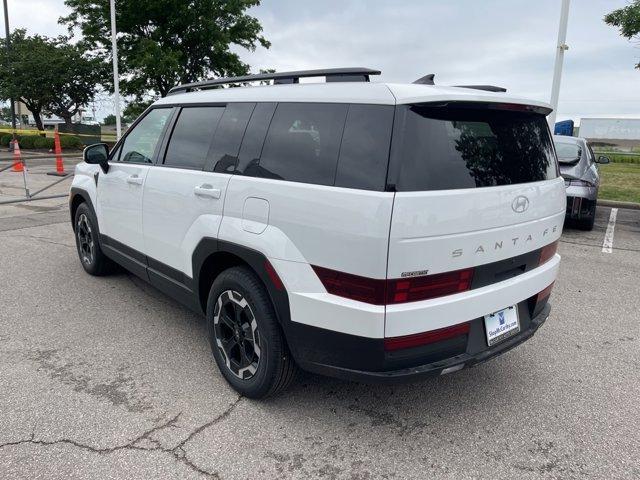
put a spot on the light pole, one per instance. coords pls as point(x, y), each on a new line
point(116, 78)
point(6, 28)
point(557, 71)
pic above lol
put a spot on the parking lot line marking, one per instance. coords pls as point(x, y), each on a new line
point(607, 245)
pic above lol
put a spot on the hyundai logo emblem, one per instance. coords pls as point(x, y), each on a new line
point(520, 204)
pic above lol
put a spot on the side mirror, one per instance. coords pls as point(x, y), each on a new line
point(602, 159)
point(97, 154)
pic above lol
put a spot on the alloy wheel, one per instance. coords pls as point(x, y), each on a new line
point(85, 239)
point(236, 334)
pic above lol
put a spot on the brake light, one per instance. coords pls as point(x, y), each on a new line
point(355, 287)
point(548, 252)
point(419, 339)
point(400, 290)
point(429, 286)
point(544, 293)
point(578, 183)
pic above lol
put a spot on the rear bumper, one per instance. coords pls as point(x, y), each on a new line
point(465, 352)
point(581, 202)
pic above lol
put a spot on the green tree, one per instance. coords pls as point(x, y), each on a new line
point(5, 114)
point(26, 72)
point(627, 19)
point(109, 120)
point(162, 43)
point(73, 80)
point(134, 109)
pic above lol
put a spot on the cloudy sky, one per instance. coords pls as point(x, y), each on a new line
point(510, 43)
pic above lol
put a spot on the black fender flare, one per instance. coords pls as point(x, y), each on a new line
point(73, 194)
point(258, 263)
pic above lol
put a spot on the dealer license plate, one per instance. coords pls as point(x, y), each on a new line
point(501, 325)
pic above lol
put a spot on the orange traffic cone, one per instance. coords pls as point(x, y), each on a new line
point(17, 158)
point(58, 151)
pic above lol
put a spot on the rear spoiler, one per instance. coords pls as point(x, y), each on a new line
point(428, 80)
point(488, 88)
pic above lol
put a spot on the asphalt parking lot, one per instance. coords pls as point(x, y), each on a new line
point(108, 378)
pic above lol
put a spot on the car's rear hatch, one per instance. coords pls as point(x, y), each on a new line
point(476, 183)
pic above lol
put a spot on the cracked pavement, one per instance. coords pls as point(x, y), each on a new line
point(108, 378)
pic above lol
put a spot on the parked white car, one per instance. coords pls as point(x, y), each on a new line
point(370, 231)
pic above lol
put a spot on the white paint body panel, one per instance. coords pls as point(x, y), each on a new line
point(175, 219)
point(339, 228)
point(446, 230)
point(119, 203)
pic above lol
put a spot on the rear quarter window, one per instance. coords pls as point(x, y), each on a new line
point(444, 147)
point(302, 143)
point(364, 152)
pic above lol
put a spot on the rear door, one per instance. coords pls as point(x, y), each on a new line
point(475, 184)
point(185, 193)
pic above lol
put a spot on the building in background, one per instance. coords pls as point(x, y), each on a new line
point(620, 132)
point(26, 118)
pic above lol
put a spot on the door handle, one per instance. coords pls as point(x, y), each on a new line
point(134, 180)
point(206, 190)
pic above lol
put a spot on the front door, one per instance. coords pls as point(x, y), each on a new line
point(120, 190)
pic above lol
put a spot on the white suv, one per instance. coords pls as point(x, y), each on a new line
point(369, 231)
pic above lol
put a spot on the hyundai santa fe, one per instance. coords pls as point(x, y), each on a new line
point(369, 231)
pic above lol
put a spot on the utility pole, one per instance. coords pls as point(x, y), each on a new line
point(557, 71)
point(116, 77)
point(6, 29)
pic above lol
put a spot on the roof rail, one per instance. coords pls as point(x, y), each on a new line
point(353, 74)
point(488, 88)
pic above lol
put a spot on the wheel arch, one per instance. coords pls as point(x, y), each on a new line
point(76, 197)
point(211, 257)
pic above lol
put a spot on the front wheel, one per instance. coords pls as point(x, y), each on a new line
point(86, 231)
point(245, 337)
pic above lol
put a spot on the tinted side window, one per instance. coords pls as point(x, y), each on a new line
point(365, 147)
point(249, 156)
point(192, 136)
point(224, 151)
point(438, 148)
point(141, 142)
point(303, 142)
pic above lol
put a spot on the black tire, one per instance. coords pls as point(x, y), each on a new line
point(240, 317)
point(87, 236)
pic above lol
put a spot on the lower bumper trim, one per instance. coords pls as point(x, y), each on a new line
point(442, 367)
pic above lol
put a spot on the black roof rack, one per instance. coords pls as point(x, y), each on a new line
point(356, 74)
point(488, 88)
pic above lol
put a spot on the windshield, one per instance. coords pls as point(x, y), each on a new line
point(568, 152)
point(445, 147)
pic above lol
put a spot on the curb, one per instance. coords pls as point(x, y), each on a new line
point(617, 204)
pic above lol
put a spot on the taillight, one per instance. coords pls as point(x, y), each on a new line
point(548, 252)
point(538, 301)
point(355, 287)
point(544, 294)
point(429, 286)
point(400, 290)
point(578, 183)
point(418, 339)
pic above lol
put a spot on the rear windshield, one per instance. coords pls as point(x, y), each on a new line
point(439, 148)
point(568, 152)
